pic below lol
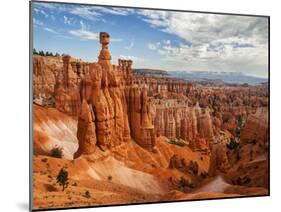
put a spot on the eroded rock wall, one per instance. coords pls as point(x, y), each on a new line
point(174, 118)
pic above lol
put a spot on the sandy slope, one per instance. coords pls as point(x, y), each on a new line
point(52, 128)
point(134, 187)
point(217, 185)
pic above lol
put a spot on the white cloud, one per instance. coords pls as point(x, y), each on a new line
point(36, 10)
point(37, 22)
point(84, 33)
point(115, 11)
point(130, 46)
point(85, 12)
point(131, 57)
point(50, 30)
point(167, 42)
point(46, 5)
point(211, 42)
point(44, 13)
point(152, 46)
point(91, 13)
point(67, 20)
point(83, 25)
point(199, 28)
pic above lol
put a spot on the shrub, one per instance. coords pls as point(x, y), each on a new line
point(204, 174)
point(179, 142)
point(56, 152)
point(240, 121)
point(50, 188)
point(109, 178)
point(238, 132)
point(193, 168)
point(242, 180)
point(184, 185)
point(44, 160)
point(87, 194)
point(232, 144)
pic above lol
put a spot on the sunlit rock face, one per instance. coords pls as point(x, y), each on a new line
point(142, 129)
point(56, 80)
point(256, 128)
point(86, 130)
point(174, 118)
point(219, 159)
point(44, 80)
point(66, 91)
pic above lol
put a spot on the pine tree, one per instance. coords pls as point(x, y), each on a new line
point(62, 178)
point(35, 52)
point(41, 53)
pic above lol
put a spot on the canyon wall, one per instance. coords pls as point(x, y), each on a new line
point(66, 90)
point(163, 85)
point(44, 80)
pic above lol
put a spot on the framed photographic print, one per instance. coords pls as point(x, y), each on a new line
point(139, 105)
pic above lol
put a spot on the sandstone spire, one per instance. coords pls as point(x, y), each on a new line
point(104, 56)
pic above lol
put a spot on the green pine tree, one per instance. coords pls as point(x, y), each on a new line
point(62, 178)
point(41, 53)
point(35, 52)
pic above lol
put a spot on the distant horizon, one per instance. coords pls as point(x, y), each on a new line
point(155, 39)
point(220, 72)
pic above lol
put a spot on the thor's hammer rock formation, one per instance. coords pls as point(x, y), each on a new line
point(112, 109)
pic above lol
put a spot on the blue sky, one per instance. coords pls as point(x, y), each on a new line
point(155, 39)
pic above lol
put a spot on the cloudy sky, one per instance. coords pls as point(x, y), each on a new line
point(155, 39)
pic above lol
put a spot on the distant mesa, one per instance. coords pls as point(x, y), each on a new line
point(150, 72)
point(226, 77)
